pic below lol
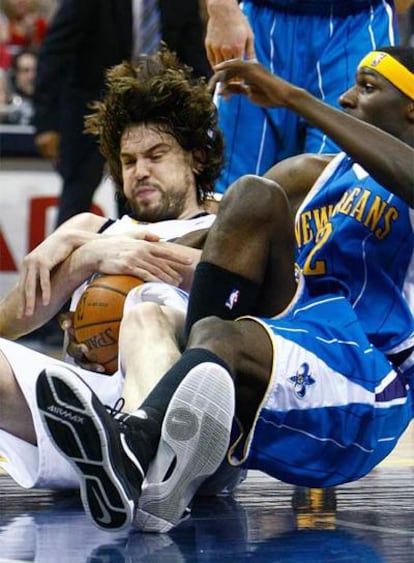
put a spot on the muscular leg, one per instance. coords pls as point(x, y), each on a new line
point(15, 416)
point(253, 236)
point(149, 344)
point(247, 350)
point(250, 247)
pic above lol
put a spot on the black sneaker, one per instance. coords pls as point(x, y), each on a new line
point(109, 450)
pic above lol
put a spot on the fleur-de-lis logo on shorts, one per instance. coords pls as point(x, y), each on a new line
point(302, 380)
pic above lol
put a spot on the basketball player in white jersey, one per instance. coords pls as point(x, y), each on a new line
point(164, 159)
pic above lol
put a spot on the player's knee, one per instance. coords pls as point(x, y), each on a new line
point(142, 315)
point(256, 199)
point(211, 333)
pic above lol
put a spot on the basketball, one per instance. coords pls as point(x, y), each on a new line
point(98, 315)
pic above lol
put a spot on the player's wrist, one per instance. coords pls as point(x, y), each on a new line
point(83, 262)
point(220, 8)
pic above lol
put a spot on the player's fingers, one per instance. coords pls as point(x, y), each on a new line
point(91, 366)
point(65, 321)
point(172, 254)
point(44, 280)
point(77, 351)
point(21, 302)
point(151, 237)
point(250, 53)
point(219, 54)
point(29, 290)
point(212, 56)
point(172, 279)
point(165, 274)
point(229, 68)
point(144, 235)
point(212, 83)
point(229, 52)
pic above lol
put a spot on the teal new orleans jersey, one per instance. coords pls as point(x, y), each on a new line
point(341, 391)
point(352, 231)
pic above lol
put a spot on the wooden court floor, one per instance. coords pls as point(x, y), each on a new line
point(369, 521)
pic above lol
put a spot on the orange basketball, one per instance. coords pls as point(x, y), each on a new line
point(98, 315)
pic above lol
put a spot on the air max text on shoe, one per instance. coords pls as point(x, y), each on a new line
point(63, 413)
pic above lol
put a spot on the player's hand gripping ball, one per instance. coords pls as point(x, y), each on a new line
point(98, 315)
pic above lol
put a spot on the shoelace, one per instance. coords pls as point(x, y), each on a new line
point(116, 410)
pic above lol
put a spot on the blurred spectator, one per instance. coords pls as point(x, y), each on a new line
point(22, 25)
point(18, 88)
point(406, 25)
point(5, 57)
point(4, 95)
point(22, 74)
point(48, 7)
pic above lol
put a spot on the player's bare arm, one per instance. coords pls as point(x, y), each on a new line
point(297, 174)
point(24, 310)
point(364, 142)
point(120, 254)
point(29, 303)
point(39, 263)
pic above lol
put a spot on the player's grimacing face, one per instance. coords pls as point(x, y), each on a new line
point(157, 173)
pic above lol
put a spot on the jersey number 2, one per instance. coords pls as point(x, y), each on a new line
point(312, 265)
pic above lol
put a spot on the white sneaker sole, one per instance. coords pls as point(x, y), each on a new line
point(194, 440)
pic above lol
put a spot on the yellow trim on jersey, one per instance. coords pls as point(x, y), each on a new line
point(392, 70)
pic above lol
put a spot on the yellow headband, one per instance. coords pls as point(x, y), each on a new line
point(392, 70)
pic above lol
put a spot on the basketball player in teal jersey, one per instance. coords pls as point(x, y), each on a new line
point(308, 345)
point(315, 44)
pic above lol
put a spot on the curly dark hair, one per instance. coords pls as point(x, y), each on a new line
point(158, 89)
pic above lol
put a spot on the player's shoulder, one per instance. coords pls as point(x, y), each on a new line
point(86, 221)
point(300, 164)
point(297, 174)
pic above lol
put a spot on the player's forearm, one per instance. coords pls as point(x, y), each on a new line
point(388, 159)
point(221, 7)
point(64, 280)
point(84, 221)
point(12, 327)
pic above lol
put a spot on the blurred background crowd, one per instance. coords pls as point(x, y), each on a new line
point(23, 25)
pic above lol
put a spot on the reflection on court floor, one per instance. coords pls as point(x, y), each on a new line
point(369, 521)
